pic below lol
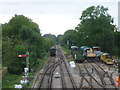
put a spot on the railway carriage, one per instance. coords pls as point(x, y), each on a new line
point(76, 54)
point(53, 51)
point(104, 57)
point(74, 50)
point(88, 53)
point(97, 50)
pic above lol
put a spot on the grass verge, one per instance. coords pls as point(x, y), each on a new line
point(66, 51)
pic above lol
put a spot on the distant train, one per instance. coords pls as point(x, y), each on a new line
point(74, 50)
point(104, 57)
point(97, 50)
point(78, 57)
point(88, 53)
point(91, 54)
point(53, 51)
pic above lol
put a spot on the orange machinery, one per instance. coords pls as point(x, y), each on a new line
point(117, 80)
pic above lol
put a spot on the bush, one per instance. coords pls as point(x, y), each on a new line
point(15, 68)
point(18, 64)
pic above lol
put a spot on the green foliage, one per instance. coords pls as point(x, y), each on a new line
point(19, 63)
point(59, 39)
point(20, 34)
point(20, 49)
point(69, 35)
point(48, 43)
point(7, 53)
point(10, 79)
point(117, 43)
point(96, 28)
point(50, 36)
point(25, 33)
point(49, 40)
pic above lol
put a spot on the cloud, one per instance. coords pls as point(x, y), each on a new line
point(53, 16)
point(5, 18)
point(54, 24)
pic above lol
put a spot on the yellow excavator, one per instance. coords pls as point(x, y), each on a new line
point(106, 58)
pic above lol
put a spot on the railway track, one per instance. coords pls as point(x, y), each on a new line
point(84, 79)
point(94, 76)
point(100, 73)
point(89, 78)
point(105, 78)
point(98, 83)
point(66, 78)
point(46, 78)
point(110, 69)
point(106, 73)
point(91, 75)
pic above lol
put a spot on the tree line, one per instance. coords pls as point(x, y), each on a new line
point(19, 35)
point(95, 29)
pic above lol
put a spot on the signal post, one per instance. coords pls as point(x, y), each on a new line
point(26, 70)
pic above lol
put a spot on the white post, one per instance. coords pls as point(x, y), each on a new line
point(27, 66)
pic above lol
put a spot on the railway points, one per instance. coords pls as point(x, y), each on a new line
point(90, 75)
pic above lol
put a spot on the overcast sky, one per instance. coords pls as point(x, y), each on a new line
point(53, 16)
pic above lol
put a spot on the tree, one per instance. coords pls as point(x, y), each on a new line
point(117, 43)
point(59, 39)
point(18, 64)
point(21, 34)
point(52, 37)
point(69, 36)
point(96, 28)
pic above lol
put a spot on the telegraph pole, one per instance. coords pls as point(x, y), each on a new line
point(27, 59)
point(26, 69)
point(27, 65)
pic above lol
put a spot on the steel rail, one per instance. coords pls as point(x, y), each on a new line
point(51, 74)
point(68, 71)
point(83, 78)
point(99, 74)
point(92, 77)
point(106, 73)
point(45, 72)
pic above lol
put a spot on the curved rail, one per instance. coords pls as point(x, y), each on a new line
point(106, 73)
point(83, 78)
point(93, 77)
point(50, 68)
point(68, 71)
